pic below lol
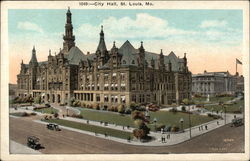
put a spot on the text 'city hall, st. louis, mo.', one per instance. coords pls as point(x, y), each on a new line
point(107, 77)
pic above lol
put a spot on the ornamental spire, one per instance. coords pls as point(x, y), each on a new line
point(102, 46)
point(68, 37)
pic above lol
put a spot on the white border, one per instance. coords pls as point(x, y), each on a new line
point(244, 5)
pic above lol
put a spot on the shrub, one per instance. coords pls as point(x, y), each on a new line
point(127, 111)
point(37, 99)
point(56, 115)
point(33, 114)
point(121, 108)
point(96, 106)
point(133, 106)
point(159, 127)
point(183, 108)
point(77, 116)
point(174, 110)
point(83, 104)
point(138, 115)
point(175, 128)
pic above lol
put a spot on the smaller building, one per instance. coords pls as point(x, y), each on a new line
point(213, 83)
point(239, 83)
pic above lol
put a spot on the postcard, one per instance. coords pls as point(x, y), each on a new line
point(124, 80)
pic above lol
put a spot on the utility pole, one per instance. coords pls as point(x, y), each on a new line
point(189, 122)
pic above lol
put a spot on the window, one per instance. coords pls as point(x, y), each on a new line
point(123, 99)
point(116, 87)
point(133, 98)
point(98, 86)
point(106, 98)
point(93, 87)
point(106, 76)
point(123, 88)
point(98, 98)
point(106, 86)
point(114, 98)
point(133, 62)
point(122, 76)
point(124, 61)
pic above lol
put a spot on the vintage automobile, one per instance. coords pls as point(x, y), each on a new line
point(52, 126)
point(47, 105)
point(33, 142)
point(237, 122)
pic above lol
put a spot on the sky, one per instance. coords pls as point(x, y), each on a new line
point(212, 39)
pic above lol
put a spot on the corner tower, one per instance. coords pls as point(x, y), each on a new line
point(69, 38)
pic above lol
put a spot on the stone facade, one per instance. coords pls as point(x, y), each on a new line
point(213, 83)
point(107, 77)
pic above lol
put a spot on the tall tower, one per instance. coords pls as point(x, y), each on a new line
point(33, 60)
point(102, 49)
point(161, 61)
point(69, 38)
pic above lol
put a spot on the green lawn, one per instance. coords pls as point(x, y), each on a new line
point(200, 100)
point(49, 110)
point(109, 117)
point(171, 119)
point(92, 128)
point(163, 117)
point(234, 108)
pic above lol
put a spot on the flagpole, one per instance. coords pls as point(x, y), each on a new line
point(236, 67)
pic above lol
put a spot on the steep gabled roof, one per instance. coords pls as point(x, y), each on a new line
point(75, 55)
point(129, 54)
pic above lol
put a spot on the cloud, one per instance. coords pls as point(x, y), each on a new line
point(142, 27)
point(213, 23)
point(29, 26)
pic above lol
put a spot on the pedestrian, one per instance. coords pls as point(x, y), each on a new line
point(161, 139)
point(206, 127)
point(168, 136)
point(87, 121)
point(217, 122)
point(199, 128)
point(164, 139)
point(234, 116)
point(123, 127)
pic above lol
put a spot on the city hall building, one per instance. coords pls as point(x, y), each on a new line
point(108, 76)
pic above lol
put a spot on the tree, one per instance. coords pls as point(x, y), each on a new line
point(139, 133)
point(138, 115)
point(138, 123)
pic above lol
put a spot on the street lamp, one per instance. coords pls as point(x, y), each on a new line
point(212, 110)
point(155, 120)
point(225, 116)
point(181, 121)
point(189, 117)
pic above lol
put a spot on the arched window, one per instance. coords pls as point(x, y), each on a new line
point(124, 61)
point(133, 61)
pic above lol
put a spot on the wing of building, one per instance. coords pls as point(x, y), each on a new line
point(108, 77)
point(216, 83)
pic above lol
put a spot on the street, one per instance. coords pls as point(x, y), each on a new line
point(224, 139)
